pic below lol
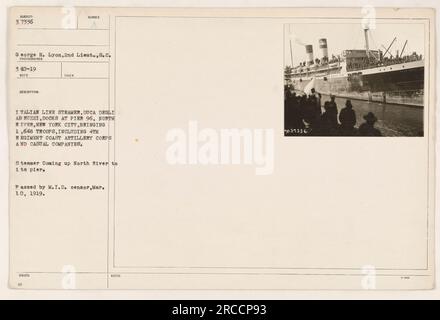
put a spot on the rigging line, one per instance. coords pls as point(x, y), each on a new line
point(375, 47)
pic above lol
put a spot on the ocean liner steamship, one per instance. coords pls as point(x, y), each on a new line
point(371, 75)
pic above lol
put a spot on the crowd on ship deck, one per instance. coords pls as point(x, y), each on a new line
point(305, 115)
point(386, 61)
point(323, 61)
point(366, 64)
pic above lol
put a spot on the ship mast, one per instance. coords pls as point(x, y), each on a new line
point(389, 47)
point(367, 46)
point(404, 46)
point(291, 55)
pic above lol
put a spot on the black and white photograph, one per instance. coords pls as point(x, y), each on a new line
point(354, 79)
point(148, 154)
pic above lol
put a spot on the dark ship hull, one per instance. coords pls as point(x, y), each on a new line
point(397, 84)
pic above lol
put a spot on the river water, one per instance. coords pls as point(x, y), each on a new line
point(393, 120)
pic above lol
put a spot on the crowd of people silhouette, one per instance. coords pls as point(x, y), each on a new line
point(305, 115)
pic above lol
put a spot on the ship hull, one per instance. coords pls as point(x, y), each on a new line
point(396, 84)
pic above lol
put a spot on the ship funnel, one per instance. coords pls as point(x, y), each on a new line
point(309, 52)
point(323, 47)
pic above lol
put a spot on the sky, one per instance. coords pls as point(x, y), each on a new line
point(343, 36)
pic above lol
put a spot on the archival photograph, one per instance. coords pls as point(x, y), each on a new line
point(354, 79)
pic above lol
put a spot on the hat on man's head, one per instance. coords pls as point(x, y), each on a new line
point(370, 117)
